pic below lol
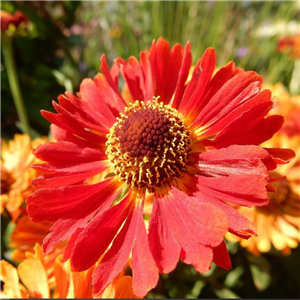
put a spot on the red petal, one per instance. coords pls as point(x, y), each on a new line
point(199, 256)
point(232, 94)
point(183, 75)
point(229, 167)
point(71, 244)
point(159, 58)
point(73, 106)
point(281, 156)
point(58, 181)
point(219, 79)
point(221, 257)
point(64, 153)
point(147, 75)
point(97, 236)
point(51, 204)
point(73, 169)
point(133, 75)
point(164, 247)
point(114, 101)
point(112, 80)
point(65, 176)
point(191, 103)
point(73, 126)
point(249, 128)
point(218, 123)
point(64, 135)
point(71, 215)
point(94, 100)
point(62, 230)
point(246, 190)
point(114, 72)
point(233, 160)
point(191, 220)
point(144, 270)
point(172, 73)
point(117, 256)
point(238, 224)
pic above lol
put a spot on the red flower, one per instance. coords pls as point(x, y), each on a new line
point(290, 44)
point(195, 149)
point(16, 19)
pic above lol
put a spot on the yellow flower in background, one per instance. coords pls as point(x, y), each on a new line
point(16, 174)
point(33, 272)
point(278, 223)
point(10, 278)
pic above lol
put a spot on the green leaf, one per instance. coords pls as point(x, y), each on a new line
point(261, 277)
point(226, 293)
point(196, 290)
point(233, 277)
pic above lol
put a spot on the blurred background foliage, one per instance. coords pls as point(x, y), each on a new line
point(64, 45)
point(67, 39)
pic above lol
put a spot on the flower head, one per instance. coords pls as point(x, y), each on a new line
point(290, 44)
point(16, 172)
point(11, 23)
point(186, 147)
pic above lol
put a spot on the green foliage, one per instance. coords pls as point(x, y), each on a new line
point(267, 276)
point(68, 37)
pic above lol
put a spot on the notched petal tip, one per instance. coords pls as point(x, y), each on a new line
point(281, 155)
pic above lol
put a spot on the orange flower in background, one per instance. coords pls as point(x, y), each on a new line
point(79, 284)
point(278, 223)
point(15, 20)
point(16, 172)
point(11, 287)
point(25, 235)
point(32, 273)
point(190, 148)
point(31, 280)
point(290, 44)
point(24, 238)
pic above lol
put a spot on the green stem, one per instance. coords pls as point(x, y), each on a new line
point(7, 51)
point(294, 84)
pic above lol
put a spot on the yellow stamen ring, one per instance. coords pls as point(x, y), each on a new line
point(148, 145)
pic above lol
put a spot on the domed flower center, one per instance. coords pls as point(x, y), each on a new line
point(282, 191)
point(278, 199)
point(148, 145)
point(7, 181)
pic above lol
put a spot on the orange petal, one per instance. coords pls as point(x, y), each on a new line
point(9, 276)
point(34, 277)
point(64, 283)
point(124, 288)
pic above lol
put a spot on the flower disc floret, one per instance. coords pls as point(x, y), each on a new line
point(148, 145)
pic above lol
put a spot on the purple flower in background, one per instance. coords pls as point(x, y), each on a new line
point(241, 52)
point(82, 66)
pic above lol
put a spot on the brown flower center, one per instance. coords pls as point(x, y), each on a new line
point(282, 191)
point(148, 145)
point(6, 181)
point(278, 199)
